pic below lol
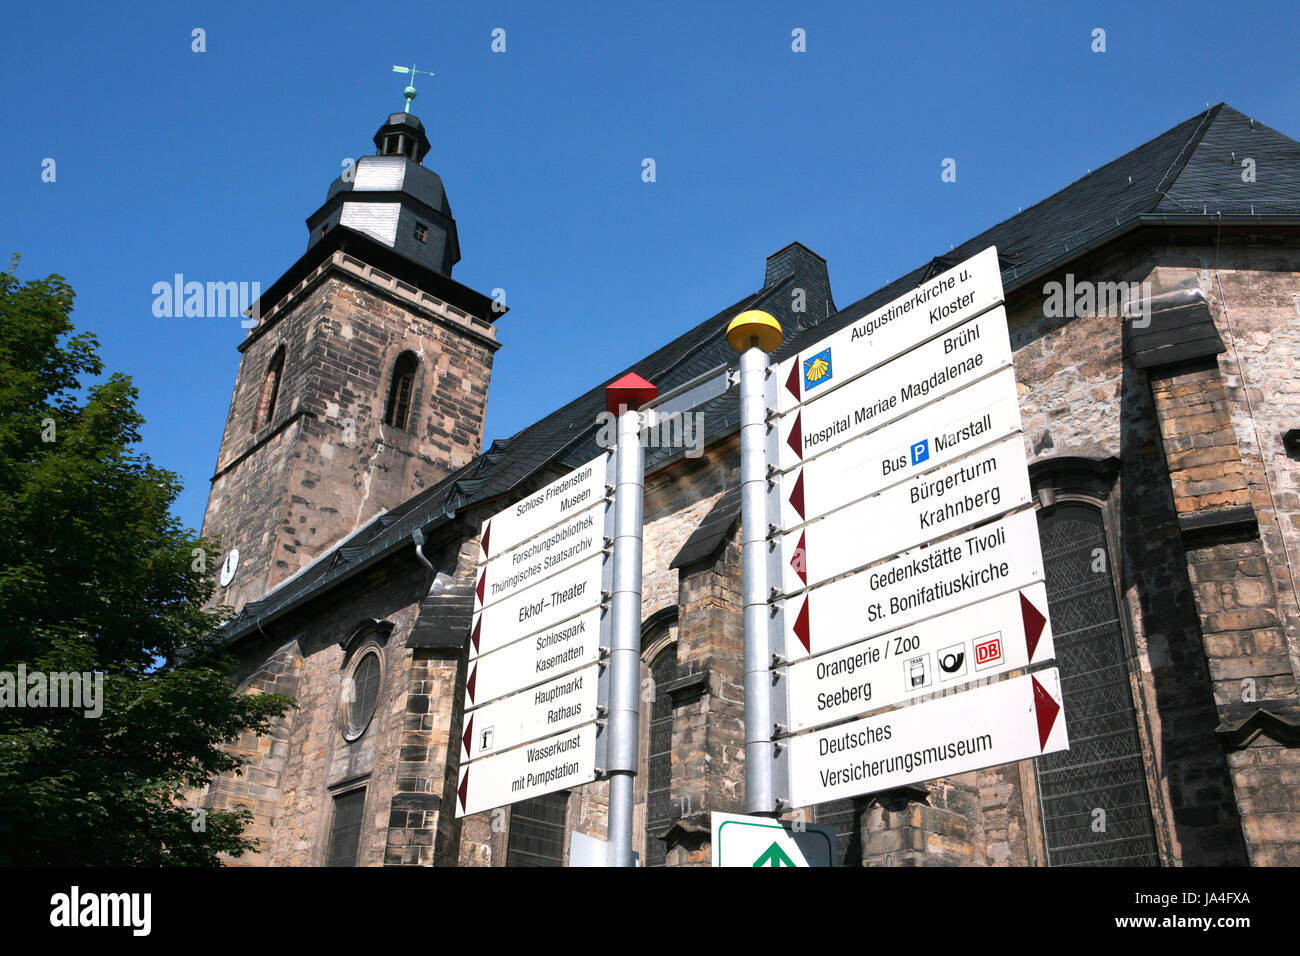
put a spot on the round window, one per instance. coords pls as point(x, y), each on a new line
point(360, 694)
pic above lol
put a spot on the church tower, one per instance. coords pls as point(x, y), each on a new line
point(365, 378)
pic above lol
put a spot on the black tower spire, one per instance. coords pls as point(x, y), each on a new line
point(393, 199)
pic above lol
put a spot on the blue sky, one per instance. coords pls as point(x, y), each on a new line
point(207, 163)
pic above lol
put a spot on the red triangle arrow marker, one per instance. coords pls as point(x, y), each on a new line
point(795, 438)
point(800, 559)
point(1046, 709)
point(1034, 623)
point(801, 629)
point(474, 635)
point(464, 788)
point(487, 533)
point(482, 581)
point(796, 495)
point(468, 735)
point(792, 383)
point(469, 684)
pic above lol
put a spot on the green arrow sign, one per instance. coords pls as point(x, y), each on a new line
point(774, 856)
point(763, 841)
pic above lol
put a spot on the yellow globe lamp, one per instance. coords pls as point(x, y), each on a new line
point(754, 328)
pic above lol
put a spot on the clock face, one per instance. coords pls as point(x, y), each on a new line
point(229, 566)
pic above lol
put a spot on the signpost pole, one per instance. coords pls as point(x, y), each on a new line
point(753, 334)
point(623, 399)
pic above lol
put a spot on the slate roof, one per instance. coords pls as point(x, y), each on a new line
point(1187, 174)
point(1191, 172)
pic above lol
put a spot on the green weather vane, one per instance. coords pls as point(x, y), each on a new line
point(409, 92)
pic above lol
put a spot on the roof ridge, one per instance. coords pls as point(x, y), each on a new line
point(1185, 154)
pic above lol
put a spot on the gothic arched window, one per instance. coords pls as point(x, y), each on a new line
point(270, 389)
point(658, 671)
point(398, 408)
point(1095, 805)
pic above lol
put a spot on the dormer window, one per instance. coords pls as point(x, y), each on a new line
point(421, 232)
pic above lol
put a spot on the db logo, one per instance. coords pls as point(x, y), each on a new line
point(988, 651)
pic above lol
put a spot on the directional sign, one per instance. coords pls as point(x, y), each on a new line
point(556, 763)
point(981, 486)
point(937, 434)
point(762, 841)
point(561, 499)
point(573, 540)
point(549, 708)
point(539, 607)
point(921, 583)
point(939, 367)
point(942, 303)
point(535, 659)
point(991, 637)
point(1011, 720)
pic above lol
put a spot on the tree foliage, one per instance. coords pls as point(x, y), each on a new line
point(98, 575)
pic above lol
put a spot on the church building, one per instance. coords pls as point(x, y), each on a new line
point(1162, 431)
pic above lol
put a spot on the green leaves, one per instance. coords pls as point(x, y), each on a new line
point(97, 574)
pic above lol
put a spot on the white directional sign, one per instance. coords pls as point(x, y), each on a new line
point(556, 763)
point(985, 639)
point(936, 435)
point(535, 659)
point(561, 499)
point(573, 540)
point(936, 306)
point(539, 607)
point(1011, 720)
point(762, 841)
point(921, 583)
point(957, 495)
point(535, 685)
point(938, 368)
point(548, 708)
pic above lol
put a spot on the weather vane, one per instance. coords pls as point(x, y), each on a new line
point(409, 92)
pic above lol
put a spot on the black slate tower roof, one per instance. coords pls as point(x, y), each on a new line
point(393, 199)
point(1190, 175)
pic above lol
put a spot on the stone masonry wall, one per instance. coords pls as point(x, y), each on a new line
point(259, 786)
point(311, 758)
point(285, 501)
point(1240, 624)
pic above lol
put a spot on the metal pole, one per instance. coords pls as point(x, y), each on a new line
point(625, 640)
point(753, 517)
